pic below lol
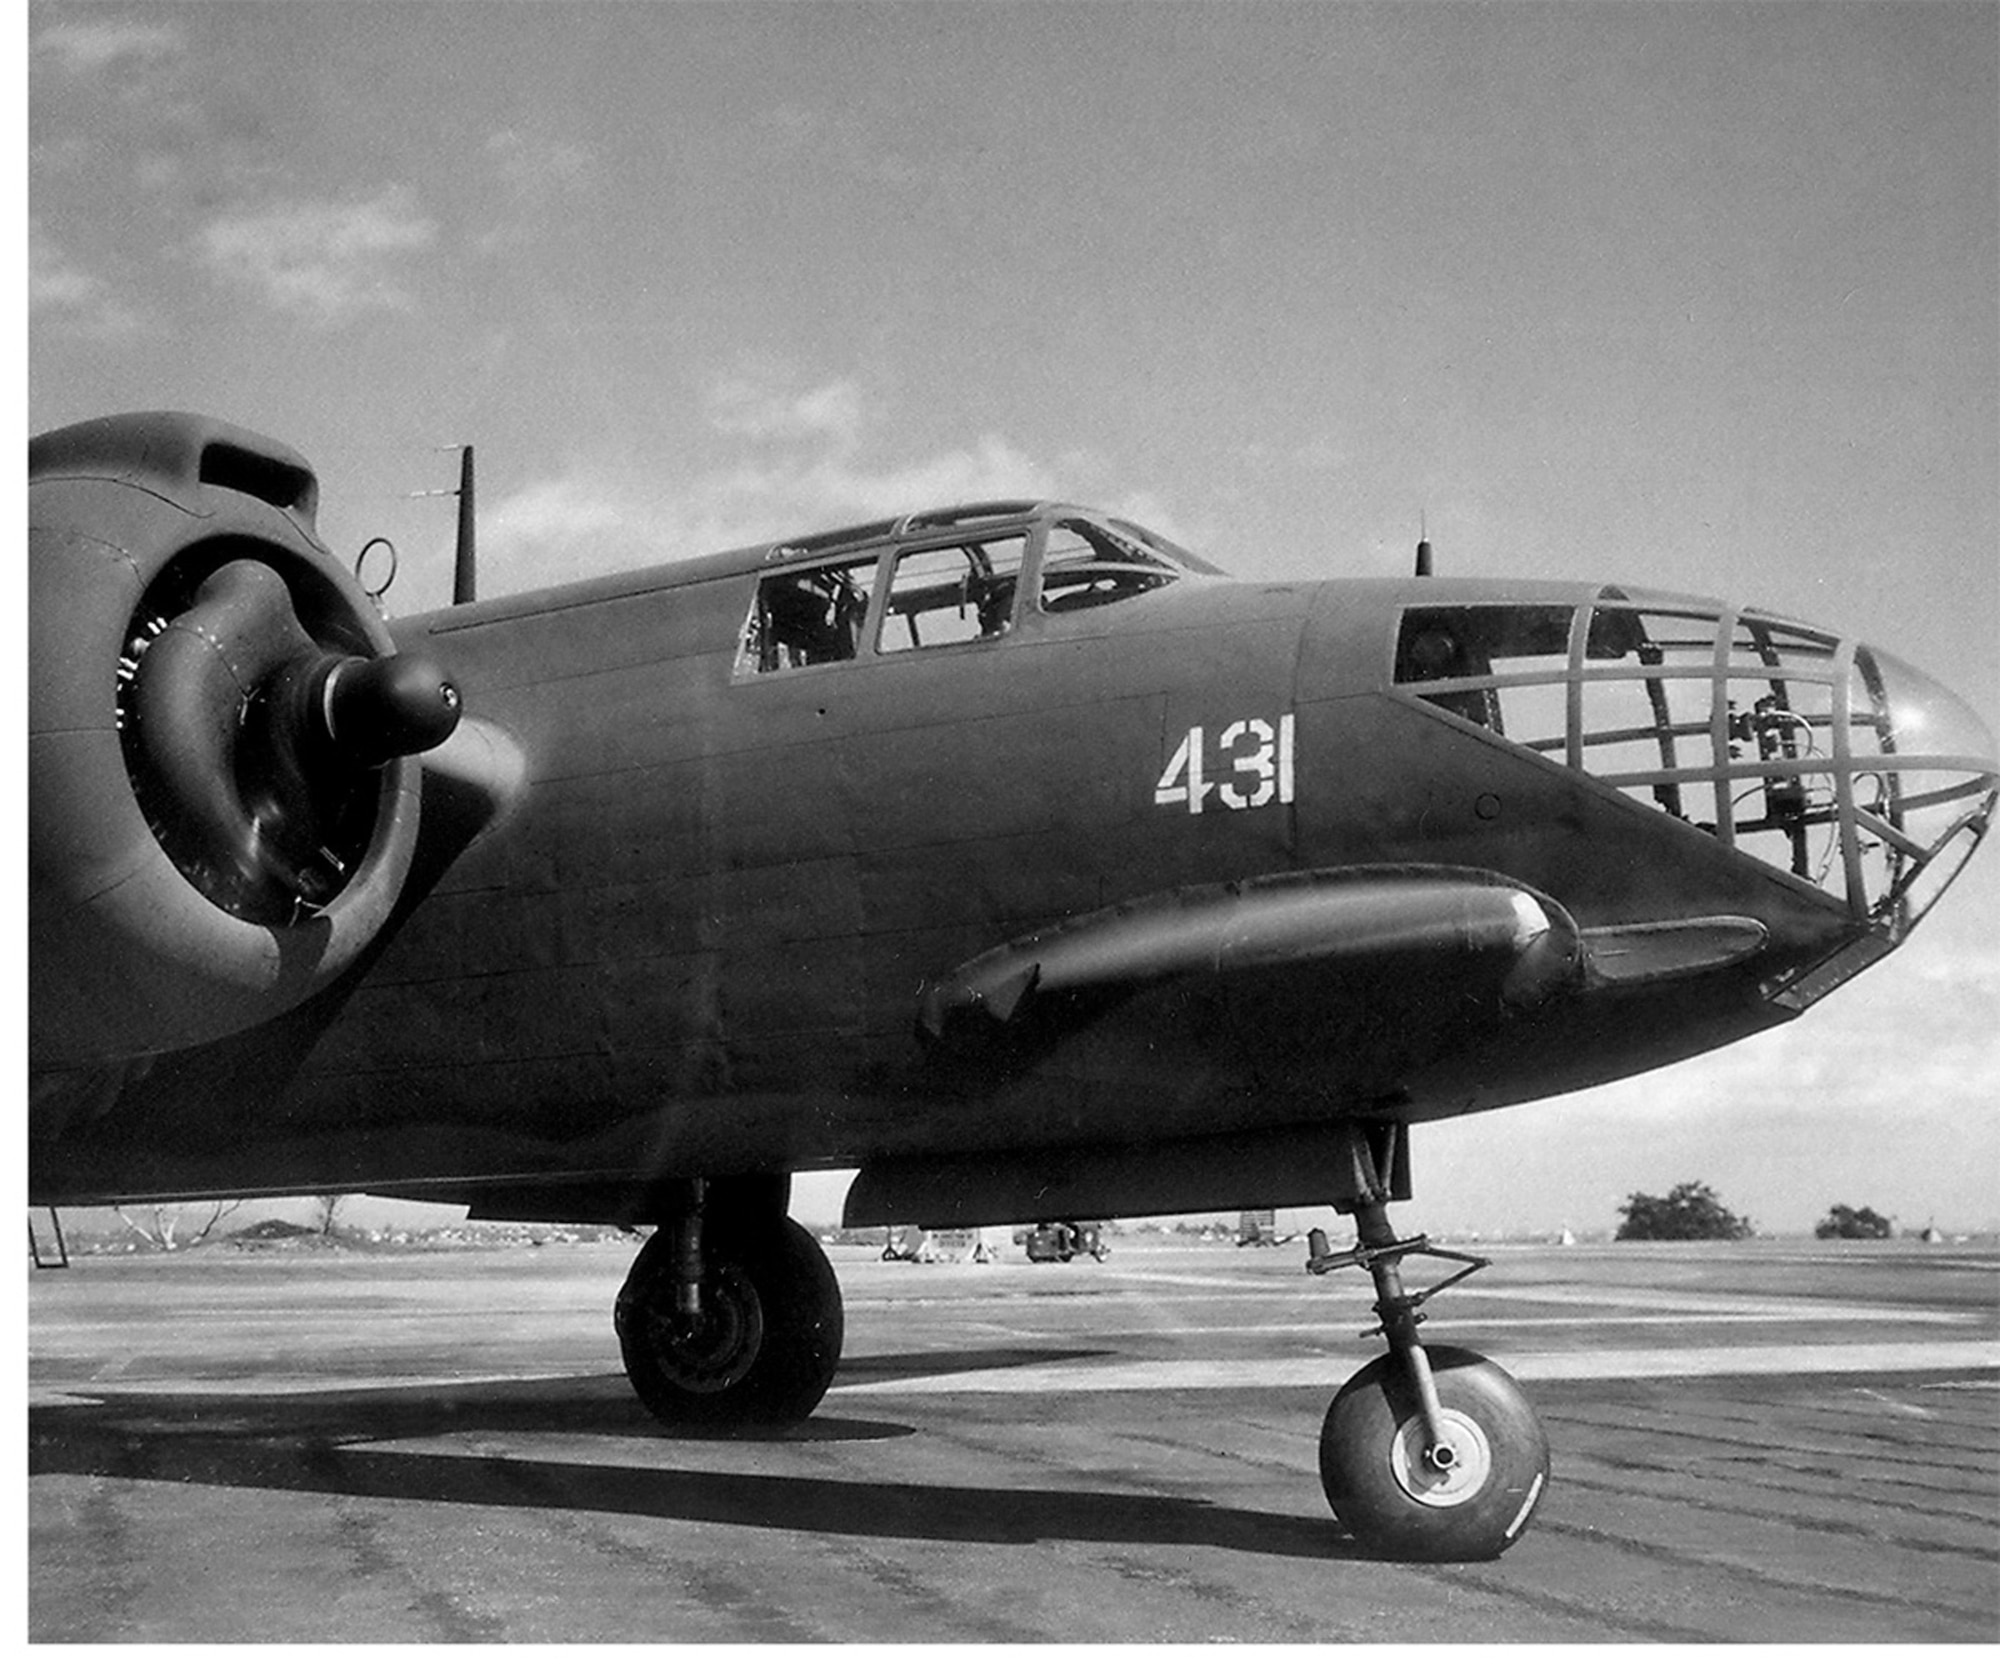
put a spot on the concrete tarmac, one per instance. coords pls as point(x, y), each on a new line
point(1765, 1442)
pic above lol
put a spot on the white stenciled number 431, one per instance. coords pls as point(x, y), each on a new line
point(1248, 765)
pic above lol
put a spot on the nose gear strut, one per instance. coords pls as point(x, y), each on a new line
point(1377, 1250)
point(1425, 1453)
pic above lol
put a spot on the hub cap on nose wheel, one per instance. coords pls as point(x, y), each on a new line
point(1383, 1485)
point(1463, 1472)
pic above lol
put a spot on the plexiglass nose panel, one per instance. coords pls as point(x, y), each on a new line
point(1840, 765)
point(1922, 774)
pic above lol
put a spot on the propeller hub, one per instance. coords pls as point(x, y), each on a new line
point(379, 710)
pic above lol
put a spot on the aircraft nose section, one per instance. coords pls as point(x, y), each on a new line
point(1919, 770)
point(1808, 751)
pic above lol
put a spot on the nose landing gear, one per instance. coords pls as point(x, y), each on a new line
point(1428, 1453)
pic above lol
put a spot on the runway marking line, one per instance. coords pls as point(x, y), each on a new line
point(1900, 1407)
point(1237, 1293)
point(1209, 1374)
point(1488, 1323)
point(1554, 1366)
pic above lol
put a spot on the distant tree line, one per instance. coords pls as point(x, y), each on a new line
point(1853, 1223)
point(1690, 1211)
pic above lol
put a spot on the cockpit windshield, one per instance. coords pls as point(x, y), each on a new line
point(945, 578)
point(1087, 563)
point(1179, 554)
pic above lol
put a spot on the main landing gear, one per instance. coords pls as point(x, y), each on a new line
point(1428, 1453)
point(730, 1318)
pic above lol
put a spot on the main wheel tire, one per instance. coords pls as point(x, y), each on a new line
point(1383, 1490)
point(766, 1344)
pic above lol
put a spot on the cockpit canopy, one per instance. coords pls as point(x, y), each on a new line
point(946, 577)
point(1830, 760)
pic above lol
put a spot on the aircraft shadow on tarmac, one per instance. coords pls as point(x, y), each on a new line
point(324, 1443)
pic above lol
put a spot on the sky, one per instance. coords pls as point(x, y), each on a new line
point(1701, 297)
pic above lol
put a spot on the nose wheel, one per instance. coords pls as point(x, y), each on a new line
point(1429, 1453)
point(1404, 1496)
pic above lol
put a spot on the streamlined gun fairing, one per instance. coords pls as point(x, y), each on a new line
point(1007, 854)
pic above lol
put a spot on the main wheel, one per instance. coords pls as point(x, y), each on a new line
point(767, 1341)
point(1372, 1462)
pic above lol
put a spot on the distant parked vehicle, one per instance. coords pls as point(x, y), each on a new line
point(1059, 1242)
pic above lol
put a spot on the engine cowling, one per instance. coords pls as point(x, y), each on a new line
point(223, 792)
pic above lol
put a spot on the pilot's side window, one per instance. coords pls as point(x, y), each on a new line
point(952, 594)
point(806, 617)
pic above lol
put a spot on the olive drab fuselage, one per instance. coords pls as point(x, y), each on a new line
point(1011, 840)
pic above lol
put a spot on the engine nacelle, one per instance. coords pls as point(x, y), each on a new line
point(222, 792)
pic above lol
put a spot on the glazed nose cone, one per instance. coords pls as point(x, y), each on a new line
point(1917, 780)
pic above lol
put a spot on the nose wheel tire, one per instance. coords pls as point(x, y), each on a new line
point(1384, 1481)
point(763, 1349)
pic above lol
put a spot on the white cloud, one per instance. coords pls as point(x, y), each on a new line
point(564, 513)
point(322, 260)
point(806, 455)
point(755, 406)
point(63, 293)
point(586, 522)
point(846, 143)
point(536, 169)
point(992, 467)
point(537, 176)
point(85, 48)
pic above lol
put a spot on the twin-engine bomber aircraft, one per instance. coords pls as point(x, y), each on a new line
point(1007, 854)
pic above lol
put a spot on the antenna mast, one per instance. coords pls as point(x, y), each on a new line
point(465, 566)
point(465, 569)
